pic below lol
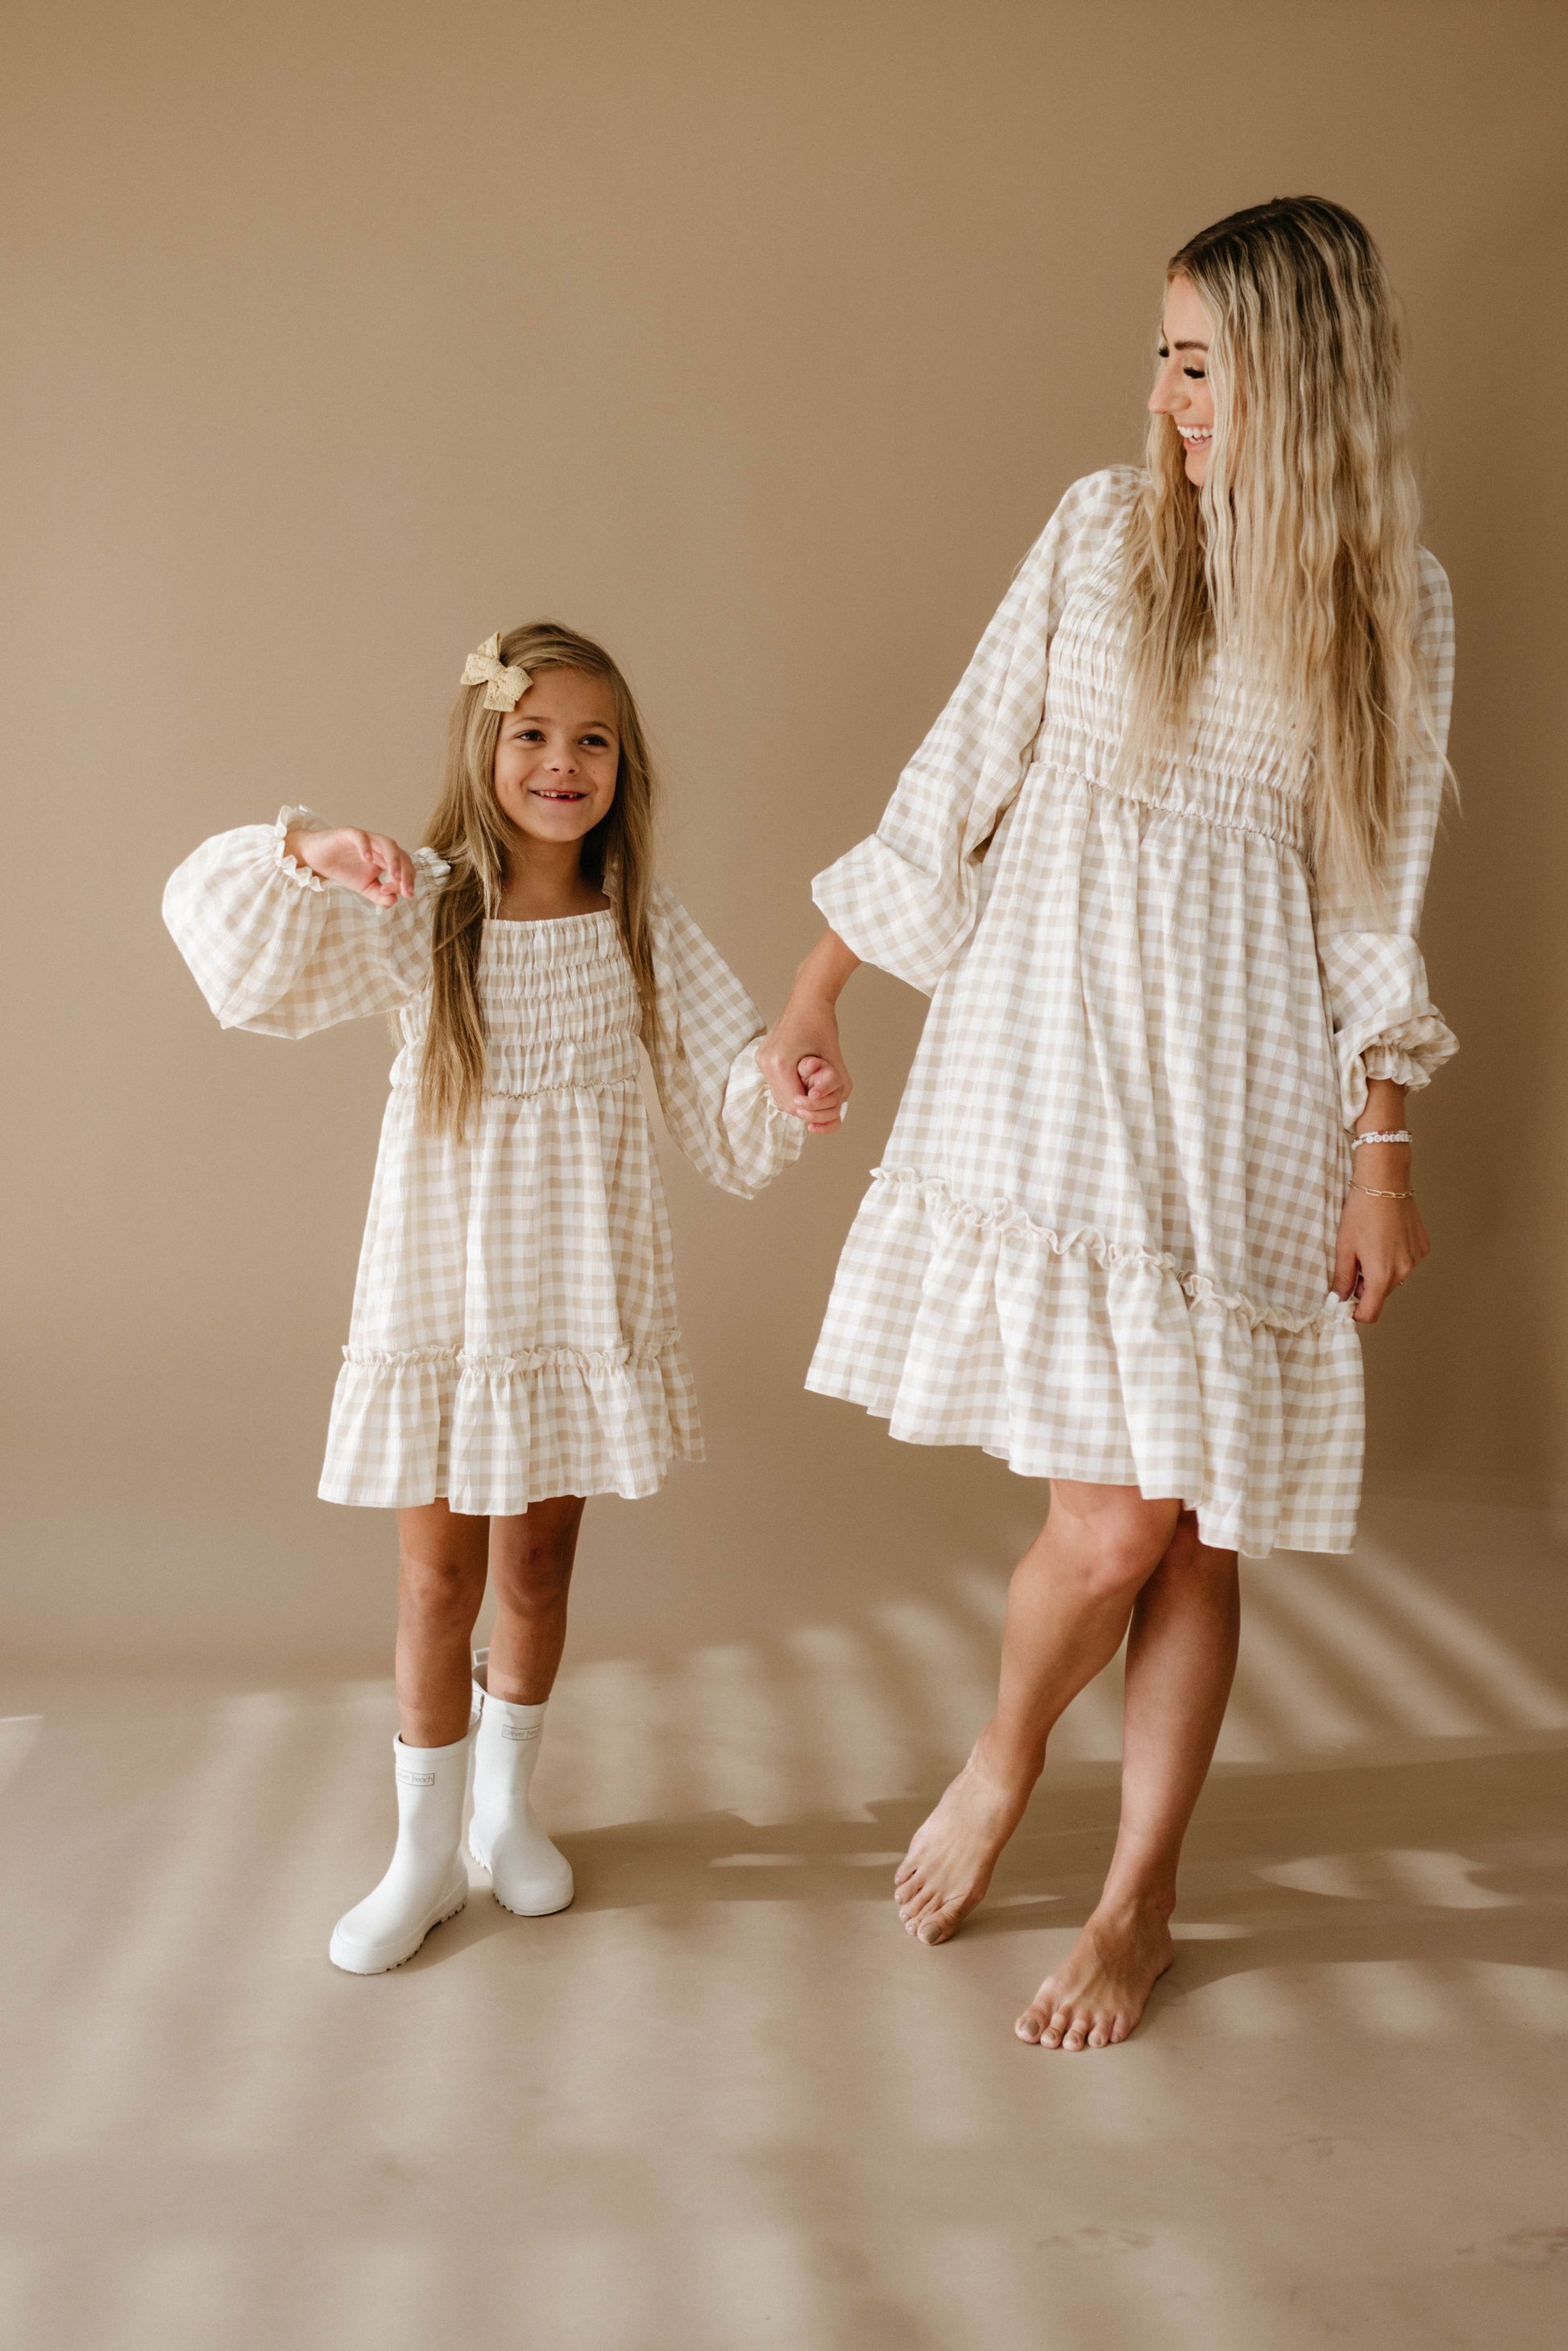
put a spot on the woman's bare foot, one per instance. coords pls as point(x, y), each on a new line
point(952, 1855)
point(1102, 1987)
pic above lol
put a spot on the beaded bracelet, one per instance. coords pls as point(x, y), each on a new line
point(1402, 1135)
point(1368, 1191)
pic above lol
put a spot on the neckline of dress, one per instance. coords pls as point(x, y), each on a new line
point(545, 922)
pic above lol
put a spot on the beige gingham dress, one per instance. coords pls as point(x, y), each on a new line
point(513, 1331)
point(1101, 1242)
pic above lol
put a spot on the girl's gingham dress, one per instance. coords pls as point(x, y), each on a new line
point(1100, 1242)
point(513, 1331)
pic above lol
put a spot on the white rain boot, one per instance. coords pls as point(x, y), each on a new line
point(527, 1873)
point(428, 1878)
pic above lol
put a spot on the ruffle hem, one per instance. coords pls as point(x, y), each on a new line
point(1069, 1354)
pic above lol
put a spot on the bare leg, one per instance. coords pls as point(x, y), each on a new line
point(442, 1564)
point(1181, 1658)
point(441, 1581)
point(1068, 1609)
point(531, 1560)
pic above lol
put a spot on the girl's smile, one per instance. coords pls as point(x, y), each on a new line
point(558, 756)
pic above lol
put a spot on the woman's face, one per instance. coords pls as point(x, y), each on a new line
point(558, 756)
point(1182, 390)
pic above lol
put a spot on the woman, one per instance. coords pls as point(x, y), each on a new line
point(1160, 864)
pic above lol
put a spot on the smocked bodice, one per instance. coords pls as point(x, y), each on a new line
point(561, 1005)
point(1241, 768)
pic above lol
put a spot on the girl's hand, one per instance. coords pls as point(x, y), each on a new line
point(800, 1056)
point(1381, 1243)
point(370, 864)
point(803, 1064)
point(825, 1088)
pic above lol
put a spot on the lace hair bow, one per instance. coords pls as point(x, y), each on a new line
point(504, 687)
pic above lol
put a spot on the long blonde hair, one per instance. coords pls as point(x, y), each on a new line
point(1299, 551)
point(468, 830)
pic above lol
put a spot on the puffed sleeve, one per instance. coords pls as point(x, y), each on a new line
point(275, 948)
point(1384, 1022)
point(714, 1099)
point(907, 898)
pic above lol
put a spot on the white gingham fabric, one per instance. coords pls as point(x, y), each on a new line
point(513, 1331)
point(1100, 1242)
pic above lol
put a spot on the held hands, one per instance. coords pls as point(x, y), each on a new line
point(825, 1090)
point(800, 1056)
point(803, 1065)
point(370, 864)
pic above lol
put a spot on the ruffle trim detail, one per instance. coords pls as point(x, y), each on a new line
point(290, 819)
point(495, 1432)
point(1004, 1216)
point(1069, 1354)
point(1385, 1021)
point(1402, 1067)
point(593, 1363)
point(405, 1084)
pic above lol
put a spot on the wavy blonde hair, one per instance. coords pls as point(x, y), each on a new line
point(468, 830)
point(1299, 551)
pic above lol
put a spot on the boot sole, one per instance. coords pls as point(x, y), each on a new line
point(387, 1966)
point(547, 1911)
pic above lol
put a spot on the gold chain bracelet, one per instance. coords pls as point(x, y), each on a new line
point(1373, 1195)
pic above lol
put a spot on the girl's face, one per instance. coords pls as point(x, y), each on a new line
point(557, 757)
point(1182, 390)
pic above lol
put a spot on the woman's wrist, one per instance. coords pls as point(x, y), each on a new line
point(1382, 1171)
point(822, 975)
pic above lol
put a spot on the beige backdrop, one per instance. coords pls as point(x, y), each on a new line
point(759, 340)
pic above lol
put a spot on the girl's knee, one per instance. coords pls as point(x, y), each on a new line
point(439, 1587)
point(532, 1565)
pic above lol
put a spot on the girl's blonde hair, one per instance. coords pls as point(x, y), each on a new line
point(469, 830)
point(1299, 551)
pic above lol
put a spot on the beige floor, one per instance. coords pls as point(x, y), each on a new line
point(723, 2102)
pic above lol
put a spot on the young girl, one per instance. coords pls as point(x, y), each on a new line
point(513, 1346)
point(1160, 864)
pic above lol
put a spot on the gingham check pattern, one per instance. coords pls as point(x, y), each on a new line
point(513, 1331)
point(1100, 1242)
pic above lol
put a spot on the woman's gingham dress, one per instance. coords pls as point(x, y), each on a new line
point(1100, 1242)
point(513, 1330)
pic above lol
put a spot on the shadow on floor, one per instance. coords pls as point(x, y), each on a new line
point(1435, 1860)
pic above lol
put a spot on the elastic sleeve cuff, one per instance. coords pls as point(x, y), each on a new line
point(764, 1139)
point(293, 820)
point(748, 1085)
point(1385, 1024)
point(1406, 1055)
point(428, 867)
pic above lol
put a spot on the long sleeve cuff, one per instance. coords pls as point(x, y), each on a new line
point(763, 1140)
point(1385, 1024)
point(890, 912)
point(296, 820)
